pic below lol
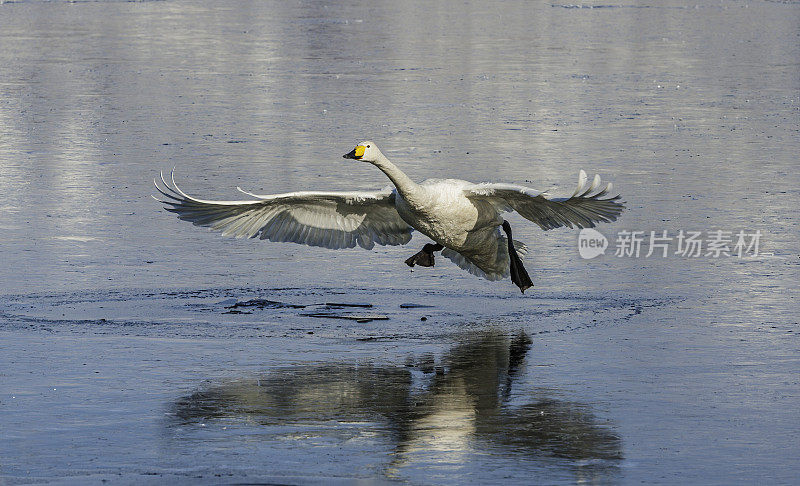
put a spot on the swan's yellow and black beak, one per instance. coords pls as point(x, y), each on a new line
point(356, 153)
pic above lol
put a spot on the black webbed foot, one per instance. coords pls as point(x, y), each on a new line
point(518, 273)
point(424, 258)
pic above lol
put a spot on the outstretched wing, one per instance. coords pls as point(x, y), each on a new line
point(328, 219)
point(588, 205)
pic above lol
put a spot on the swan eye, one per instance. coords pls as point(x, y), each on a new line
point(367, 146)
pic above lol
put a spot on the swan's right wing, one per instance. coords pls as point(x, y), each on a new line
point(588, 205)
point(327, 219)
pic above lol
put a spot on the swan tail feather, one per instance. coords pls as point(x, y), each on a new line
point(499, 269)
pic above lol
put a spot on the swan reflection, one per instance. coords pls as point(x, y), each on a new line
point(434, 411)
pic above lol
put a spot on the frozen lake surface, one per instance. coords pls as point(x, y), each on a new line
point(137, 348)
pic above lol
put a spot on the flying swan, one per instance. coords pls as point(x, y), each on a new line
point(463, 219)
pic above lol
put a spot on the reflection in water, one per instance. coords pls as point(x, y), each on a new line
point(439, 413)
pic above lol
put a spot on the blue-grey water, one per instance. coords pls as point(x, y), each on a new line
point(136, 348)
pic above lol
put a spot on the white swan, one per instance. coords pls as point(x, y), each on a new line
point(462, 218)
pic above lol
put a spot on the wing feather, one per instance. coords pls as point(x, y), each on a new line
point(328, 219)
point(588, 205)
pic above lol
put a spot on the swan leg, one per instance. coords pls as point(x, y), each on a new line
point(424, 258)
point(518, 273)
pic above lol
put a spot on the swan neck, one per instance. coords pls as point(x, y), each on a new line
point(402, 182)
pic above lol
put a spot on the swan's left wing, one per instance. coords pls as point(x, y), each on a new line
point(588, 205)
point(328, 219)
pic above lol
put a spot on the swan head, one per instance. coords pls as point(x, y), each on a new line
point(366, 151)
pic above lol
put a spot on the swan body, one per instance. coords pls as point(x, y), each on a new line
point(465, 227)
point(464, 219)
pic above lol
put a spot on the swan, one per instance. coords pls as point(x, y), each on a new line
point(462, 218)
